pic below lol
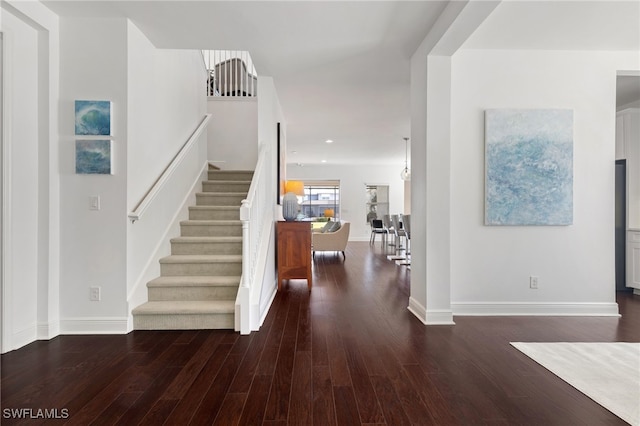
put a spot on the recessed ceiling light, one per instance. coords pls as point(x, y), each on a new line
point(329, 141)
point(323, 161)
point(294, 152)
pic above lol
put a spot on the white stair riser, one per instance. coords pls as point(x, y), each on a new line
point(196, 269)
point(203, 214)
point(183, 321)
point(222, 186)
point(218, 199)
point(193, 293)
point(239, 175)
point(206, 230)
point(206, 248)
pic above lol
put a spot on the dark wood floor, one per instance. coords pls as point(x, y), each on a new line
point(348, 353)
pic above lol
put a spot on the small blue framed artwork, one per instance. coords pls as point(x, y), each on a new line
point(93, 157)
point(529, 167)
point(93, 118)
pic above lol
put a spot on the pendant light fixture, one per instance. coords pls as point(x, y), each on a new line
point(405, 174)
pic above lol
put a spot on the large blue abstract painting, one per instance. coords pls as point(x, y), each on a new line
point(93, 118)
point(93, 157)
point(529, 167)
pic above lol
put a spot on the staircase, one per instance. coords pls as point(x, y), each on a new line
point(199, 281)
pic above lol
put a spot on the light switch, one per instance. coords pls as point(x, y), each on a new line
point(94, 202)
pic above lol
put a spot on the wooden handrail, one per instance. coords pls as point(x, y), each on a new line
point(148, 197)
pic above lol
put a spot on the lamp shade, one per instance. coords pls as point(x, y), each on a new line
point(295, 186)
point(329, 213)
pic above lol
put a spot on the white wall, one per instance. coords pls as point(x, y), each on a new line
point(158, 102)
point(490, 266)
point(21, 145)
point(269, 115)
point(30, 73)
point(166, 103)
point(233, 133)
point(93, 57)
point(430, 299)
point(352, 190)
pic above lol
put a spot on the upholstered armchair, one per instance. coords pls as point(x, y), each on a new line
point(328, 240)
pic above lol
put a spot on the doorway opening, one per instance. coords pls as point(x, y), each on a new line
point(621, 225)
point(626, 149)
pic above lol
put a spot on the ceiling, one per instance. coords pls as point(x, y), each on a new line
point(341, 68)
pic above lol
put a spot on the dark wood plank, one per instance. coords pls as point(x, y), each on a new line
point(278, 403)
point(337, 358)
point(141, 407)
point(242, 381)
point(210, 405)
point(368, 403)
point(112, 413)
point(319, 341)
point(231, 409)
point(346, 406)
point(300, 411)
point(188, 405)
point(159, 412)
point(394, 413)
point(253, 413)
point(267, 363)
point(440, 409)
point(408, 394)
point(192, 368)
point(323, 408)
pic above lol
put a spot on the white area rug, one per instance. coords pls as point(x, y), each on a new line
point(608, 373)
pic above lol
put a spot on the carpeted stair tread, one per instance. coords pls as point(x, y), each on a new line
point(224, 172)
point(206, 239)
point(222, 222)
point(186, 307)
point(195, 281)
point(202, 258)
point(214, 208)
point(231, 182)
point(223, 194)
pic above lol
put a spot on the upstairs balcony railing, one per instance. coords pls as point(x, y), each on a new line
point(230, 73)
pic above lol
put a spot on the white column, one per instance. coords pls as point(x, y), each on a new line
point(438, 191)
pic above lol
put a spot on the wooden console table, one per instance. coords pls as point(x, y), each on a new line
point(293, 251)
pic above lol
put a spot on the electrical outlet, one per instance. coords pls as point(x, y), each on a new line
point(533, 282)
point(94, 294)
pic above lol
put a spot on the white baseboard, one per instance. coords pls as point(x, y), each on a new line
point(418, 310)
point(23, 337)
point(534, 309)
point(431, 317)
point(440, 317)
point(91, 325)
point(264, 309)
point(47, 331)
point(40, 331)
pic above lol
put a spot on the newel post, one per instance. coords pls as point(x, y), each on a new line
point(243, 305)
point(245, 213)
